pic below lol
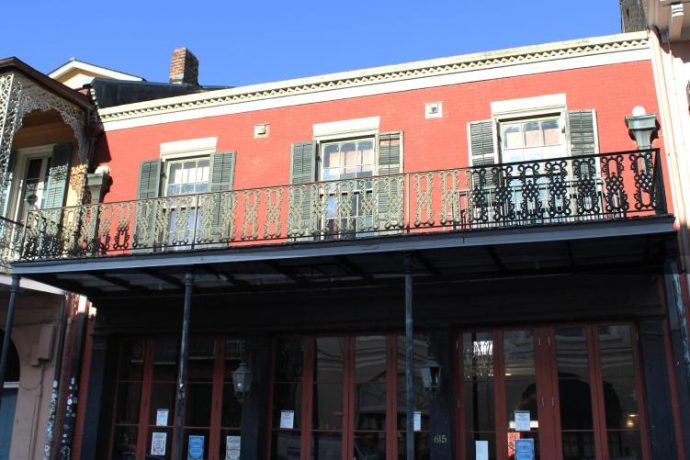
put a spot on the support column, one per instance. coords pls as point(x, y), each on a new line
point(6, 341)
point(255, 405)
point(178, 439)
point(657, 389)
point(101, 381)
point(680, 343)
point(441, 404)
point(409, 358)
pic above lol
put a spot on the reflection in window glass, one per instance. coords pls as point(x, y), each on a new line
point(620, 392)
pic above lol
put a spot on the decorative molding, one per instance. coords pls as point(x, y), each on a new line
point(416, 70)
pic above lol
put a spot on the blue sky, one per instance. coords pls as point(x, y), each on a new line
point(240, 42)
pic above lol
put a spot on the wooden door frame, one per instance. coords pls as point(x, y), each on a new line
point(547, 378)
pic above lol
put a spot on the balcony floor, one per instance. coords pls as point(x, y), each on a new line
point(607, 246)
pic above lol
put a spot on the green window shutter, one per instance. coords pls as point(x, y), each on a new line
point(390, 153)
point(221, 180)
point(148, 187)
point(58, 175)
point(482, 150)
point(149, 179)
point(222, 171)
point(581, 127)
point(389, 191)
point(301, 221)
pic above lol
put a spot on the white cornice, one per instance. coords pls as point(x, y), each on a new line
point(200, 105)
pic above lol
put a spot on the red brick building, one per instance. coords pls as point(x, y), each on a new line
point(478, 251)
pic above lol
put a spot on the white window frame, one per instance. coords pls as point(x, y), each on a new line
point(23, 157)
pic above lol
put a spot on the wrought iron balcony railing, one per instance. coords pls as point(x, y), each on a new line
point(541, 192)
point(11, 233)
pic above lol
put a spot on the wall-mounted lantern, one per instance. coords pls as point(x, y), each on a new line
point(242, 381)
point(642, 126)
point(431, 375)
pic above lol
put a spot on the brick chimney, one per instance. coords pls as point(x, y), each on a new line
point(184, 68)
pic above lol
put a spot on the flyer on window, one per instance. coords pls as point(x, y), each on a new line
point(232, 447)
point(195, 449)
point(158, 443)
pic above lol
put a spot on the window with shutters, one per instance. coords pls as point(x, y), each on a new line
point(38, 180)
point(185, 212)
point(348, 159)
point(345, 187)
point(534, 188)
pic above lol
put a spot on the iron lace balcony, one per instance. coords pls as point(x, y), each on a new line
point(11, 233)
point(613, 186)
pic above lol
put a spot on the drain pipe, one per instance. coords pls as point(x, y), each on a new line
point(57, 374)
point(68, 424)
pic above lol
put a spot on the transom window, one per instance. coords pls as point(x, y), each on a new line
point(531, 139)
point(187, 176)
point(348, 159)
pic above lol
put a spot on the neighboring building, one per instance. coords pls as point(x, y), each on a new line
point(75, 74)
point(46, 137)
point(503, 189)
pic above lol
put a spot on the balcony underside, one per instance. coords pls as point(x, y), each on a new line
point(630, 246)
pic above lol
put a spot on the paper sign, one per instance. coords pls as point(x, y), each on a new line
point(232, 447)
point(287, 419)
point(162, 417)
point(524, 449)
point(158, 443)
point(417, 421)
point(481, 450)
point(522, 420)
point(195, 448)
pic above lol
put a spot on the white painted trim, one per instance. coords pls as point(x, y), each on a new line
point(346, 128)
point(172, 114)
point(31, 285)
point(75, 64)
point(188, 147)
point(529, 105)
point(11, 386)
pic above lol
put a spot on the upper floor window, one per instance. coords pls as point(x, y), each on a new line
point(531, 139)
point(347, 159)
point(187, 176)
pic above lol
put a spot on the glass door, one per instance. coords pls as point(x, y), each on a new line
point(561, 393)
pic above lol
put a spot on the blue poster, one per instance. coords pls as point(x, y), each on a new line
point(195, 449)
point(524, 449)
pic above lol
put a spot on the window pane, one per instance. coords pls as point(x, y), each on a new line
point(370, 406)
point(289, 360)
point(326, 446)
point(132, 364)
point(162, 398)
point(624, 445)
point(573, 379)
point(165, 361)
point(287, 397)
point(511, 134)
point(479, 406)
point(533, 134)
point(519, 353)
point(329, 359)
point(232, 409)
point(370, 359)
point(552, 131)
point(125, 443)
point(128, 403)
point(201, 360)
point(286, 445)
point(198, 405)
point(370, 446)
point(328, 406)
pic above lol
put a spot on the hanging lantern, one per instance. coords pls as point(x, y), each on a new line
point(242, 381)
point(431, 375)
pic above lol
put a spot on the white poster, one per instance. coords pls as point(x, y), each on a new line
point(162, 417)
point(417, 421)
point(287, 419)
point(158, 443)
point(522, 420)
point(481, 449)
point(232, 447)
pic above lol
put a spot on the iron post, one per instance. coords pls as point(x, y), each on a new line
point(409, 357)
point(178, 440)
